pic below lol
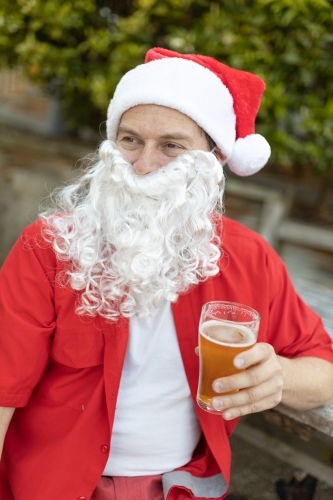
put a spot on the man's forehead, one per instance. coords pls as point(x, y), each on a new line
point(167, 123)
point(169, 115)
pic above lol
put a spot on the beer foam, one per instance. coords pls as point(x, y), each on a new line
point(227, 333)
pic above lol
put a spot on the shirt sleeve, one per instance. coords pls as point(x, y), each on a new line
point(294, 328)
point(27, 316)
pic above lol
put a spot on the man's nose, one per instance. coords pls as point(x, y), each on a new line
point(148, 161)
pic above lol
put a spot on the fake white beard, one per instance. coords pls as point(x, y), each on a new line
point(132, 241)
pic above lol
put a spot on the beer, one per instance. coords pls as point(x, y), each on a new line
point(219, 342)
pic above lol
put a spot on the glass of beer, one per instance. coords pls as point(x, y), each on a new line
point(225, 329)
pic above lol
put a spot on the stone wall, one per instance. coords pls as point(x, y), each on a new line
point(31, 166)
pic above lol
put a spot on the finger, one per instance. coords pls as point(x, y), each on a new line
point(252, 397)
point(196, 350)
point(259, 353)
point(253, 376)
point(240, 411)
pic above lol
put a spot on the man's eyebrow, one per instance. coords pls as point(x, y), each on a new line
point(177, 136)
point(127, 130)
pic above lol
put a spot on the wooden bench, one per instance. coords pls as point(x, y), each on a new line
point(305, 234)
point(319, 298)
point(265, 207)
point(303, 439)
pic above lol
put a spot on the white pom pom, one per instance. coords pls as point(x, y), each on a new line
point(249, 155)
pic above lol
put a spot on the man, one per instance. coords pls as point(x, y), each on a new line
point(101, 299)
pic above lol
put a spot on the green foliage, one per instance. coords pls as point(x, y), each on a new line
point(80, 48)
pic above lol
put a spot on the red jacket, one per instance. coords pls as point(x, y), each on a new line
point(62, 371)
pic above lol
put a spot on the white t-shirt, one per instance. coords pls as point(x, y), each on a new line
point(156, 428)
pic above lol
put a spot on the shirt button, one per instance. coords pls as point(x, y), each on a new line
point(104, 448)
point(82, 498)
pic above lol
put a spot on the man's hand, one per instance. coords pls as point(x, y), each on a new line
point(301, 383)
point(259, 387)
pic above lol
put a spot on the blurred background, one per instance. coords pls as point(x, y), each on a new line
point(60, 61)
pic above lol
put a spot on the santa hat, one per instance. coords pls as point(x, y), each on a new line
point(223, 101)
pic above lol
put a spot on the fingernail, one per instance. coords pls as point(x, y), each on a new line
point(218, 387)
point(227, 415)
point(217, 404)
point(239, 362)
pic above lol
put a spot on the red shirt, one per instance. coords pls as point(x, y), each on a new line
point(62, 371)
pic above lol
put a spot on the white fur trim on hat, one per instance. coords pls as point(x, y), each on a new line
point(184, 86)
point(249, 155)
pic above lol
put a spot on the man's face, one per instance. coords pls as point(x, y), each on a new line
point(151, 237)
point(150, 136)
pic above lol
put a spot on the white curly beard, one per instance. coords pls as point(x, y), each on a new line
point(133, 241)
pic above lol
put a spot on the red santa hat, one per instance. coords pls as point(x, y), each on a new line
point(223, 101)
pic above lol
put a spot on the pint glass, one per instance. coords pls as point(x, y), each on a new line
point(225, 329)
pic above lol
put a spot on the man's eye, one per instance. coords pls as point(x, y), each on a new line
point(171, 149)
point(128, 142)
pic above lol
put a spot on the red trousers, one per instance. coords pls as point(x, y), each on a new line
point(129, 488)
